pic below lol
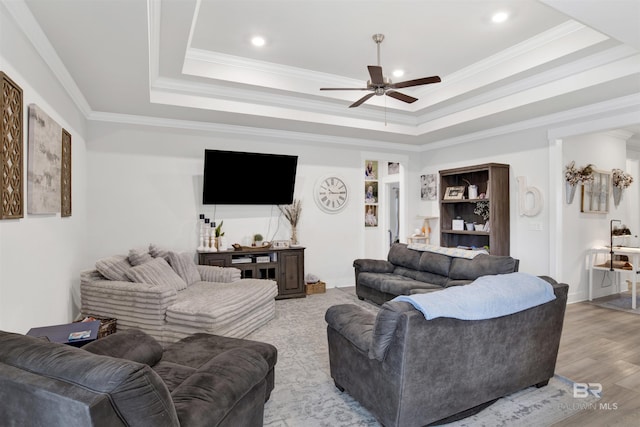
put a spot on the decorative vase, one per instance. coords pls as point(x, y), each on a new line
point(294, 235)
point(570, 192)
point(617, 195)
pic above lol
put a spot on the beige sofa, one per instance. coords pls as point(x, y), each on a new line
point(168, 296)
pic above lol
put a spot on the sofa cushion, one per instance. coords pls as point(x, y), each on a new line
point(481, 265)
point(156, 272)
point(114, 267)
point(185, 266)
point(139, 256)
point(401, 256)
point(393, 283)
point(130, 344)
point(435, 263)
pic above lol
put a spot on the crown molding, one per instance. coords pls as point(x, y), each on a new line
point(32, 31)
point(246, 131)
point(620, 111)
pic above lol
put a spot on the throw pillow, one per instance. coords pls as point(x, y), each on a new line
point(158, 252)
point(139, 256)
point(114, 267)
point(184, 265)
point(156, 272)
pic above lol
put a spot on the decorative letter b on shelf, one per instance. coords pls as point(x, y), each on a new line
point(536, 198)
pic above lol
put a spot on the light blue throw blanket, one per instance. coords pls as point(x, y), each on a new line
point(485, 298)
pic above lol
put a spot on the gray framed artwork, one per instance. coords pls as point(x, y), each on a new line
point(44, 163)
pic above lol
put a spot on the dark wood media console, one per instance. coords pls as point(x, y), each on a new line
point(285, 266)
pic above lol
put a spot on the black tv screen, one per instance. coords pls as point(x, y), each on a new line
point(238, 178)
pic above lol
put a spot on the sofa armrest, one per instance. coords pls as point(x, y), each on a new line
point(385, 327)
point(130, 344)
point(373, 265)
point(352, 322)
point(150, 294)
point(211, 273)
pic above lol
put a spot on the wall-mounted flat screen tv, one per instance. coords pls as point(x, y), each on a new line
point(239, 178)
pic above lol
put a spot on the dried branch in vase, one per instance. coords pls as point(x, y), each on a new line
point(292, 212)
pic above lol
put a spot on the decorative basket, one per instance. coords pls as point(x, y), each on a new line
point(316, 288)
point(107, 325)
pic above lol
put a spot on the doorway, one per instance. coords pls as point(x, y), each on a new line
point(393, 233)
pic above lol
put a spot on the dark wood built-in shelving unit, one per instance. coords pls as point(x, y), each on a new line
point(285, 266)
point(492, 179)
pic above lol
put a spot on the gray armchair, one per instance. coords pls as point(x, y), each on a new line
point(127, 379)
point(410, 372)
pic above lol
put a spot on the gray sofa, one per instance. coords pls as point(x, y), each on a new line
point(408, 271)
point(168, 296)
point(126, 379)
point(411, 372)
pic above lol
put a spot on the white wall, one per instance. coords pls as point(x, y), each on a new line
point(40, 254)
point(146, 187)
point(584, 230)
point(527, 154)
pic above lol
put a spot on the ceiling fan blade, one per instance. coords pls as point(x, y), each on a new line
point(401, 96)
point(375, 72)
point(416, 82)
point(361, 100)
point(344, 88)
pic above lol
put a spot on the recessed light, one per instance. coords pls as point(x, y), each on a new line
point(398, 73)
point(500, 17)
point(258, 41)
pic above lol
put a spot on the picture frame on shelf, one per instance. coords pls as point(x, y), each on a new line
point(454, 193)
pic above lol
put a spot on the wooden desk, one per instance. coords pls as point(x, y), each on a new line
point(634, 257)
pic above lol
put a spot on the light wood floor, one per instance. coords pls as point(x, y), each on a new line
point(600, 345)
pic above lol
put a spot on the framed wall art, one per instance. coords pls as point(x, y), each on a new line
point(428, 187)
point(11, 193)
point(371, 215)
point(65, 175)
point(370, 169)
point(371, 192)
point(595, 193)
point(44, 163)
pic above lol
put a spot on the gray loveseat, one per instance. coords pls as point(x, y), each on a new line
point(408, 271)
point(411, 372)
point(126, 379)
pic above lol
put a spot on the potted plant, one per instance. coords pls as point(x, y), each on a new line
point(257, 239)
point(621, 180)
point(573, 176)
point(221, 241)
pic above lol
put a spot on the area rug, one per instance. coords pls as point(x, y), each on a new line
point(305, 396)
point(620, 302)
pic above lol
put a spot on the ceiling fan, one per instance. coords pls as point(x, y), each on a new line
point(380, 85)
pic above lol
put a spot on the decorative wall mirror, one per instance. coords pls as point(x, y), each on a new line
point(595, 193)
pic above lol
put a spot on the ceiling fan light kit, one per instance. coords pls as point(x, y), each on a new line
point(380, 85)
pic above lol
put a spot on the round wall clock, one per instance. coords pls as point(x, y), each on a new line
point(331, 194)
